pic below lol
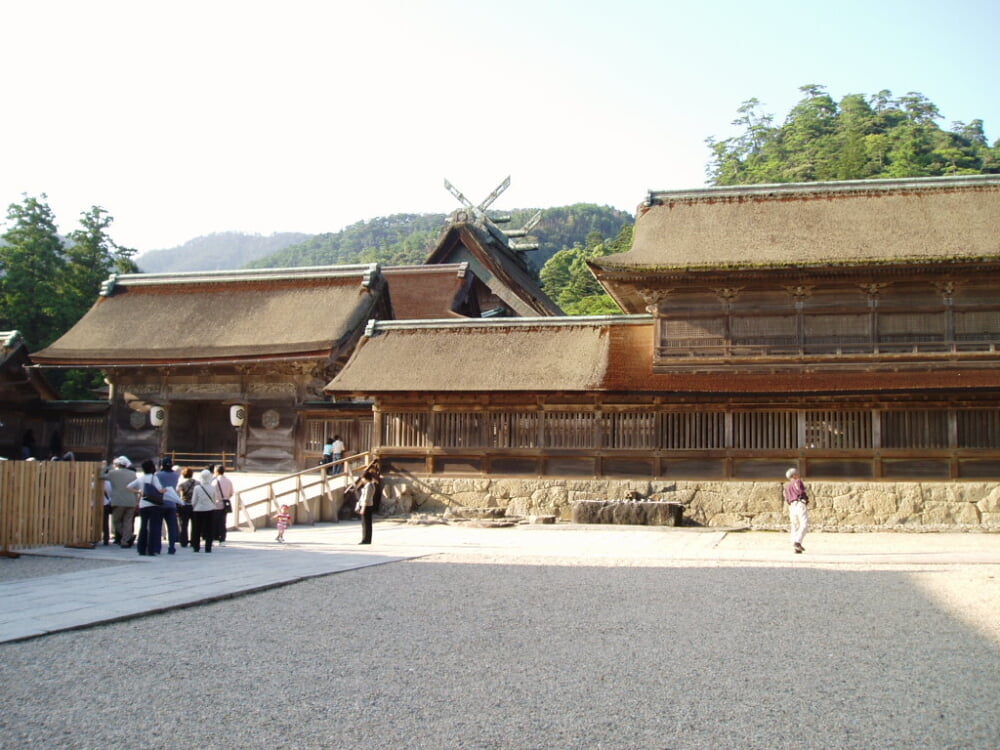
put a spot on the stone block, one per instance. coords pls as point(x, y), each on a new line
point(967, 514)
point(643, 513)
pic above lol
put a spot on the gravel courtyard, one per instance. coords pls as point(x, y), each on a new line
point(493, 651)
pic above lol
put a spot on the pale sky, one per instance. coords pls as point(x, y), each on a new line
point(187, 118)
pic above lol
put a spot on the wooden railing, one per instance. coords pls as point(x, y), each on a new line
point(178, 458)
point(45, 503)
point(298, 489)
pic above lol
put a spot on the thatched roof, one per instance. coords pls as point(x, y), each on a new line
point(18, 381)
point(608, 354)
point(512, 354)
point(221, 316)
point(809, 225)
point(864, 221)
point(500, 267)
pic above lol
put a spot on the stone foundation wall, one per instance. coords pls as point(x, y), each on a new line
point(843, 505)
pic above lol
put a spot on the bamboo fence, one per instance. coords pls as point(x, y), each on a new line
point(44, 503)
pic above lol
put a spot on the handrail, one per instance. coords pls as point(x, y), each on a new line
point(328, 483)
point(202, 459)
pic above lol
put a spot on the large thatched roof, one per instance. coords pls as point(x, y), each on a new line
point(931, 220)
point(583, 355)
point(221, 316)
point(513, 354)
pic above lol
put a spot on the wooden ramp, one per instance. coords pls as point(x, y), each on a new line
point(303, 491)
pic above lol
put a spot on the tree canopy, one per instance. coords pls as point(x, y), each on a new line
point(48, 283)
point(861, 137)
point(567, 279)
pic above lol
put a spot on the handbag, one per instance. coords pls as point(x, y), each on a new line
point(151, 495)
point(226, 505)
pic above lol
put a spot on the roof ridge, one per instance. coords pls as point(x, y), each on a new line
point(366, 271)
point(566, 321)
point(775, 189)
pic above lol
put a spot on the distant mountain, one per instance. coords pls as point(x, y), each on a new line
point(399, 239)
point(217, 252)
point(407, 239)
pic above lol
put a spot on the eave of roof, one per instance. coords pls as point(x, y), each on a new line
point(215, 318)
point(462, 355)
point(864, 222)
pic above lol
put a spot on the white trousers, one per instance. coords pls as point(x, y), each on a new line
point(798, 513)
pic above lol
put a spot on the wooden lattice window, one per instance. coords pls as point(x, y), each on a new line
point(458, 429)
point(699, 430)
point(85, 433)
point(849, 430)
point(765, 430)
point(517, 429)
point(406, 429)
point(356, 433)
point(979, 428)
point(764, 330)
point(832, 330)
point(570, 429)
point(630, 430)
point(977, 325)
point(914, 429)
point(911, 327)
point(693, 333)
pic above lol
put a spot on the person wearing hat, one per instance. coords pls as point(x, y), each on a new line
point(797, 500)
point(120, 476)
point(202, 513)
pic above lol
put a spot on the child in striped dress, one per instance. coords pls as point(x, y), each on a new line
point(284, 520)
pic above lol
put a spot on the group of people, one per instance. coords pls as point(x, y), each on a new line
point(193, 507)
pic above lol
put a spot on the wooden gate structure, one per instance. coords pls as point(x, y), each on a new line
point(45, 503)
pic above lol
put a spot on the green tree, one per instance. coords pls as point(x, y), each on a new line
point(32, 261)
point(92, 256)
point(568, 280)
point(859, 138)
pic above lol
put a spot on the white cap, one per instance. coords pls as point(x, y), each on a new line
point(122, 461)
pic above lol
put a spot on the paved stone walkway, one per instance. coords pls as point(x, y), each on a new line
point(255, 561)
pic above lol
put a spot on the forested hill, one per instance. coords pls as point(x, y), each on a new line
point(859, 138)
point(216, 252)
point(407, 239)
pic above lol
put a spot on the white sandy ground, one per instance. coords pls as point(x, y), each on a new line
point(546, 638)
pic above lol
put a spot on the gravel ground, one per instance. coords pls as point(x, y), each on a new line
point(462, 652)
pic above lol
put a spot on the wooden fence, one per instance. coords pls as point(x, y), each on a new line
point(46, 503)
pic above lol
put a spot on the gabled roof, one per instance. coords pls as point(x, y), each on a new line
point(222, 316)
point(504, 270)
point(427, 292)
point(583, 355)
point(863, 222)
point(9, 340)
point(18, 382)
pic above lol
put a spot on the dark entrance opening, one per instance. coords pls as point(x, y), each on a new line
point(199, 432)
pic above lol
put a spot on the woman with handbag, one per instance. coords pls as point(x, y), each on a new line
point(202, 512)
point(150, 493)
point(222, 491)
